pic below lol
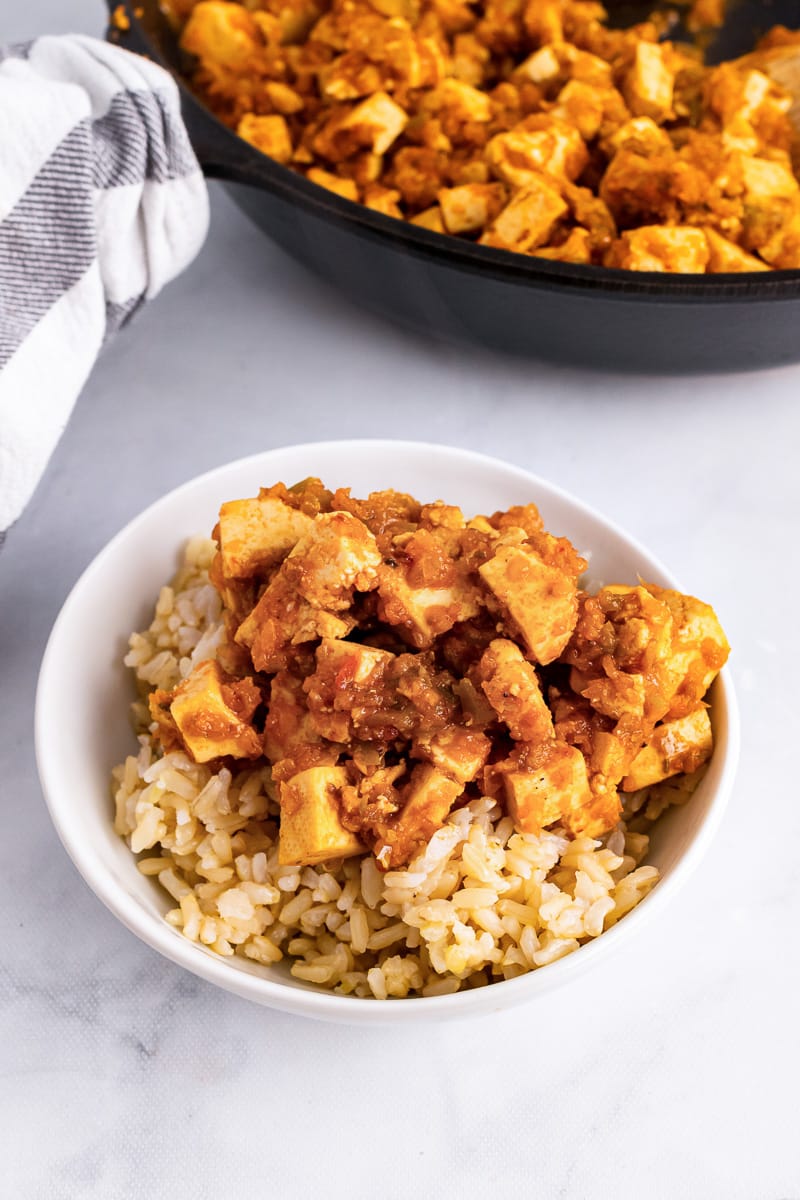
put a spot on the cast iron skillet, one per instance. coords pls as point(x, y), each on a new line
point(465, 293)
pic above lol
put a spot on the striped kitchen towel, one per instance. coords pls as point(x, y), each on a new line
point(102, 202)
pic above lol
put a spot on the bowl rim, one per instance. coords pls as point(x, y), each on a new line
point(224, 155)
point(317, 1002)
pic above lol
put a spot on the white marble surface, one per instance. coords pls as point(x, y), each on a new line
point(671, 1071)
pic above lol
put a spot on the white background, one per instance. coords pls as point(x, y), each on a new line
point(672, 1071)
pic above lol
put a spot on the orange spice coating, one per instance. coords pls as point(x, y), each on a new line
point(399, 659)
point(527, 125)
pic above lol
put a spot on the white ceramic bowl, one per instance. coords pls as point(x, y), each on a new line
point(81, 732)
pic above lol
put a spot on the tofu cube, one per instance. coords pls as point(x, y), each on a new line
point(552, 790)
point(456, 751)
point(221, 34)
point(336, 556)
point(255, 535)
point(768, 179)
point(597, 816)
point(422, 614)
point(697, 651)
point(782, 249)
point(676, 249)
point(726, 256)
point(529, 219)
point(428, 799)
point(673, 747)
point(512, 688)
point(269, 134)
point(521, 155)
point(540, 67)
point(350, 661)
point(641, 136)
point(283, 98)
point(464, 101)
point(609, 757)
point(311, 830)
point(539, 600)
point(378, 119)
point(431, 219)
point(209, 727)
point(647, 87)
point(346, 188)
point(582, 105)
point(383, 200)
point(576, 249)
point(471, 207)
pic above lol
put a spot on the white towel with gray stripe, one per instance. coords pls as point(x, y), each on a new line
point(102, 202)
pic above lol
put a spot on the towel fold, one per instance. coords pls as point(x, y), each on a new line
point(102, 202)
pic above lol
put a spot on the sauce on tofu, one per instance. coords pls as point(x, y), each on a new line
point(392, 660)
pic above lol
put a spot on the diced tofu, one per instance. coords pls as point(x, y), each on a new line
point(644, 624)
point(609, 757)
point(582, 104)
point(283, 98)
point(673, 747)
point(512, 688)
point(423, 613)
point(456, 751)
point(270, 135)
point(727, 256)
point(555, 788)
point(540, 601)
point(345, 188)
point(623, 695)
point(282, 619)
point(588, 68)
point(464, 101)
point(768, 179)
point(782, 250)
point(576, 249)
point(544, 21)
point(698, 650)
point(381, 120)
point(529, 219)
point(471, 207)
point(311, 830)
point(289, 727)
point(648, 85)
point(431, 219)
point(678, 249)
point(257, 534)
point(597, 817)
point(350, 661)
point(383, 200)
point(736, 94)
point(221, 34)
point(337, 555)
point(540, 67)
point(428, 799)
point(296, 18)
point(520, 156)
point(642, 136)
point(208, 725)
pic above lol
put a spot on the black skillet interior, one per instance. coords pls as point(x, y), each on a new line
point(450, 288)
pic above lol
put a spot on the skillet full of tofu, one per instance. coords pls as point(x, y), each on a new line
point(525, 125)
point(391, 660)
